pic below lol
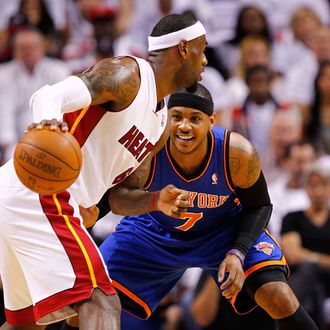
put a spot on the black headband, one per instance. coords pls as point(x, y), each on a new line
point(191, 101)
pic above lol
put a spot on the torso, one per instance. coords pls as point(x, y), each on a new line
point(212, 200)
point(115, 143)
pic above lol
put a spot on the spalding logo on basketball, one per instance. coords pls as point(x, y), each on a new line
point(47, 161)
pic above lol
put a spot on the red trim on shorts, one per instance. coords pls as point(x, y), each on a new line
point(20, 317)
point(86, 124)
point(83, 286)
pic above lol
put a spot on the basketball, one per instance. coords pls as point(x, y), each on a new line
point(47, 161)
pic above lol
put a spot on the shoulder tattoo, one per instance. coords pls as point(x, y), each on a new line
point(114, 80)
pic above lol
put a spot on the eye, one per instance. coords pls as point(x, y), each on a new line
point(176, 117)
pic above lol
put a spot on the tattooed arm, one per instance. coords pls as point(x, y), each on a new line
point(244, 162)
point(130, 198)
point(251, 190)
point(113, 80)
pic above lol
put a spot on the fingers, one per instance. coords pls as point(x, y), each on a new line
point(53, 125)
point(232, 285)
point(221, 272)
point(231, 276)
point(181, 204)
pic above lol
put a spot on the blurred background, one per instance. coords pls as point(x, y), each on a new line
point(269, 75)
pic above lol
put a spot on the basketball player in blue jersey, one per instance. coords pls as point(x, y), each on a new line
point(222, 231)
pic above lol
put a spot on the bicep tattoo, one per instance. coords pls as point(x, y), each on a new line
point(111, 80)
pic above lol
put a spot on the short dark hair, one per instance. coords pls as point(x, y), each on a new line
point(256, 69)
point(199, 90)
point(172, 23)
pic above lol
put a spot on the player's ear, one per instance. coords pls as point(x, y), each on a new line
point(212, 120)
point(183, 48)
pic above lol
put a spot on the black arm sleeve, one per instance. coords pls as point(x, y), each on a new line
point(255, 216)
point(104, 205)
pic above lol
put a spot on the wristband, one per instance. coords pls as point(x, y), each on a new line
point(238, 254)
point(153, 200)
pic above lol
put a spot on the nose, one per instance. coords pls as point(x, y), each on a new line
point(205, 61)
point(184, 125)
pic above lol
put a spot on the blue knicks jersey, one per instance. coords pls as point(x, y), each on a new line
point(212, 201)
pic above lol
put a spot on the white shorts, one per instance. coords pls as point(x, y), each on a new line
point(48, 259)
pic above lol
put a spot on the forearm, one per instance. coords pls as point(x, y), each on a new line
point(299, 255)
point(255, 216)
point(127, 202)
point(250, 227)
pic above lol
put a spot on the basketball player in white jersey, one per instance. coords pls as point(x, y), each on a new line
point(50, 267)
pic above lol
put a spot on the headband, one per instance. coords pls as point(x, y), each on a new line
point(171, 39)
point(191, 101)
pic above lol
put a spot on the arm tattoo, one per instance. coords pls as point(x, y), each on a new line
point(244, 164)
point(111, 81)
point(253, 167)
point(235, 160)
point(234, 165)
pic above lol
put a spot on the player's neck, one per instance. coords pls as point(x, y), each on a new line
point(163, 77)
point(190, 163)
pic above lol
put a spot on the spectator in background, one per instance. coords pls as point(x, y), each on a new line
point(291, 46)
point(254, 119)
point(287, 192)
point(104, 20)
point(318, 115)
point(86, 41)
point(298, 86)
point(286, 128)
point(29, 70)
point(34, 13)
point(254, 50)
point(305, 240)
point(79, 50)
point(251, 21)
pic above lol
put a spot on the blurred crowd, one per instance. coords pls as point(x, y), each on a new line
point(269, 75)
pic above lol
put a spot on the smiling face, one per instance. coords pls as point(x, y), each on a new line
point(188, 133)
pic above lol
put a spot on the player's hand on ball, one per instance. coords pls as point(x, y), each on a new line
point(173, 201)
point(231, 276)
point(89, 215)
point(48, 161)
point(53, 125)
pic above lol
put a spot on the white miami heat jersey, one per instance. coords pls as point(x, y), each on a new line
point(115, 143)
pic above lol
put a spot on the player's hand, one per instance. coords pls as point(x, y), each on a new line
point(231, 276)
point(172, 201)
point(89, 215)
point(53, 125)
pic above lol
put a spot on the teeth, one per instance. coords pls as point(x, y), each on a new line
point(185, 137)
